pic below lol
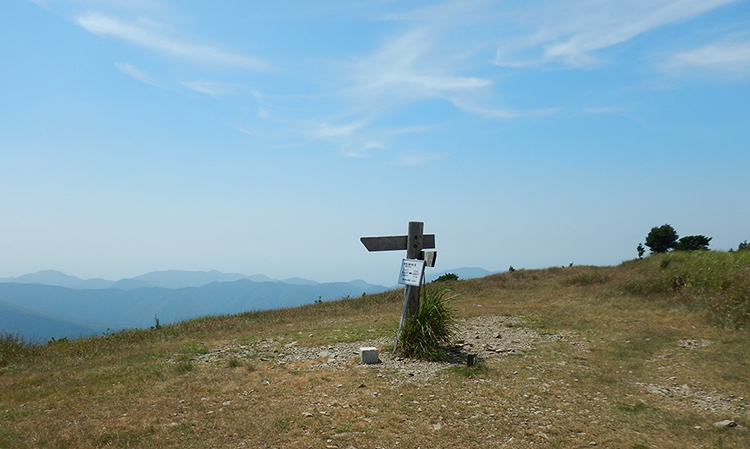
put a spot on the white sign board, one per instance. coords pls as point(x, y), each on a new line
point(411, 272)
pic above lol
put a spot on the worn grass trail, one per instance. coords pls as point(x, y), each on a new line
point(610, 368)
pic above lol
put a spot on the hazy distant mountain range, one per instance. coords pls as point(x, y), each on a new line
point(50, 304)
point(165, 279)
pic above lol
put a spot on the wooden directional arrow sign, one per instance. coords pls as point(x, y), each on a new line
point(395, 242)
point(413, 243)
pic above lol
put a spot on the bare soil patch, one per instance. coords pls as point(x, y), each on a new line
point(488, 337)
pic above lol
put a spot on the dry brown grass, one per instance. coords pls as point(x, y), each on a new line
point(596, 382)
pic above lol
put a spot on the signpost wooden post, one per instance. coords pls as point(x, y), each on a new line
point(414, 243)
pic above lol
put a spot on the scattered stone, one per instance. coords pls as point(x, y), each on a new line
point(369, 355)
point(490, 336)
point(727, 423)
point(693, 344)
point(702, 400)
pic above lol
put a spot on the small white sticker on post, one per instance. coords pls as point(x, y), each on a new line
point(411, 272)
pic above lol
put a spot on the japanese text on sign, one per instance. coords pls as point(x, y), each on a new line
point(411, 272)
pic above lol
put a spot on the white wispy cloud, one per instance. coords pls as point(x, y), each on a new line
point(459, 52)
point(363, 151)
point(411, 67)
point(135, 72)
point(152, 36)
point(730, 58)
point(325, 131)
point(572, 31)
point(128, 4)
point(212, 88)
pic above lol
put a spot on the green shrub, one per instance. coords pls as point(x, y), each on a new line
point(447, 277)
point(426, 332)
point(692, 243)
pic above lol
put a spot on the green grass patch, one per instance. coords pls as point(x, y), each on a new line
point(184, 366)
point(589, 277)
point(478, 370)
point(635, 408)
point(712, 282)
point(234, 362)
point(282, 424)
point(193, 349)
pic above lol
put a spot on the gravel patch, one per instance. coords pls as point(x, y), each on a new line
point(701, 400)
point(487, 337)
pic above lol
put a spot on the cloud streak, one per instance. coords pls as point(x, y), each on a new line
point(409, 68)
point(466, 55)
point(212, 88)
point(151, 37)
point(731, 58)
point(570, 32)
point(135, 72)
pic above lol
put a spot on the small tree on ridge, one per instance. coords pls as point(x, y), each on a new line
point(661, 239)
point(692, 243)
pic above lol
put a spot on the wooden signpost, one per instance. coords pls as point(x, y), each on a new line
point(414, 243)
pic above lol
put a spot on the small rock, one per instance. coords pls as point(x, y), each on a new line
point(437, 426)
point(307, 415)
point(727, 423)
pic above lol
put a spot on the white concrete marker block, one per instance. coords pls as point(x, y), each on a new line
point(369, 355)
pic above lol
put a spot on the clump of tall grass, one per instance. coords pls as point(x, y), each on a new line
point(427, 331)
point(13, 348)
point(716, 283)
point(589, 277)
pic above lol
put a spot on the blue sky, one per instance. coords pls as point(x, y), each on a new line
point(267, 137)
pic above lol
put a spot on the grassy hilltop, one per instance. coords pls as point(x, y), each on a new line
point(647, 354)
